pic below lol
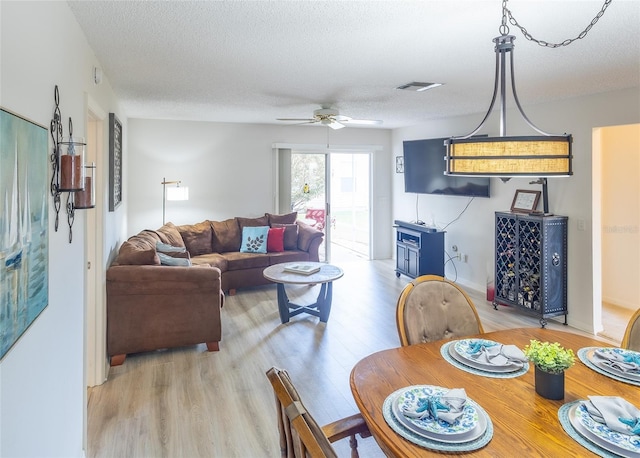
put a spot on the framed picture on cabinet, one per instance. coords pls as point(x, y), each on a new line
point(525, 201)
point(115, 162)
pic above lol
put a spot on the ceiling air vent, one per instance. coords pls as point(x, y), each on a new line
point(418, 87)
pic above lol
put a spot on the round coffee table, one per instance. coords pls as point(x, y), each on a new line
point(325, 277)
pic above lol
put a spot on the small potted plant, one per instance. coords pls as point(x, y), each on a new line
point(550, 361)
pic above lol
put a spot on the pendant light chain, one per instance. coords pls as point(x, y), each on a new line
point(504, 28)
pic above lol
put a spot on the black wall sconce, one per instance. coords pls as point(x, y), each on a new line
point(69, 170)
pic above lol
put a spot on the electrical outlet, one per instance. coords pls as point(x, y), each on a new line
point(463, 257)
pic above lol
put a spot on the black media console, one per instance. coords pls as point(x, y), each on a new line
point(419, 250)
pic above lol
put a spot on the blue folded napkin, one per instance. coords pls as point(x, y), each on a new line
point(447, 407)
point(623, 361)
point(615, 412)
point(498, 355)
point(476, 346)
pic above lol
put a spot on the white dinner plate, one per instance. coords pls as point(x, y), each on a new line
point(479, 365)
point(612, 370)
point(621, 444)
point(470, 426)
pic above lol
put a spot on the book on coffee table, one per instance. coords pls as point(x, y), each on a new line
point(302, 269)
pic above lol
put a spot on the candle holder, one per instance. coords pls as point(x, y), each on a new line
point(69, 172)
point(87, 197)
point(72, 163)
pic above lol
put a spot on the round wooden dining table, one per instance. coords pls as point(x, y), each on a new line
point(525, 424)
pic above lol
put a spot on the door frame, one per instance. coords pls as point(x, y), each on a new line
point(96, 361)
point(278, 173)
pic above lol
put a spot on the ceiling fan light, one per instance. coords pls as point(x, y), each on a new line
point(331, 118)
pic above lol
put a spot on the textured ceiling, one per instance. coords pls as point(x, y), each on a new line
point(255, 61)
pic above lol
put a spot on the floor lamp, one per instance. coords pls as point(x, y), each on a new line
point(176, 192)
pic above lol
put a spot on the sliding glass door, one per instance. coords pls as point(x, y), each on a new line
point(350, 212)
point(309, 193)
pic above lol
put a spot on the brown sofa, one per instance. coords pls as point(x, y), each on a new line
point(152, 306)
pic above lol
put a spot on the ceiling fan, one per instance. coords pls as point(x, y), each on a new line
point(332, 118)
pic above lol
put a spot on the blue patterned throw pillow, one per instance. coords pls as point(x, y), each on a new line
point(254, 239)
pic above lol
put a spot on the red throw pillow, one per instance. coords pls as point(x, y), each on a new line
point(275, 239)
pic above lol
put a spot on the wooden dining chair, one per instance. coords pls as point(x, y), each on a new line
point(631, 338)
point(433, 308)
point(300, 435)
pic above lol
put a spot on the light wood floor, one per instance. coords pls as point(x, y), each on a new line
point(188, 402)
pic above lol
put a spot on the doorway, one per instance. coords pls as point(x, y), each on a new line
point(331, 191)
point(616, 233)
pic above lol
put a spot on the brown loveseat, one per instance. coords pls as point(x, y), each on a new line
point(152, 306)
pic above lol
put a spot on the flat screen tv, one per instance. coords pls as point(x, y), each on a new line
point(424, 167)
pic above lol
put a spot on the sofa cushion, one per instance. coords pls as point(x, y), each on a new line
point(290, 235)
point(252, 222)
point(306, 234)
point(240, 261)
point(135, 252)
point(197, 238)
point(275, 239)
point(254, 239)
point(227, 235)
point(170, 235)
point(288, 256)
point(289, 218)
point(212, 259)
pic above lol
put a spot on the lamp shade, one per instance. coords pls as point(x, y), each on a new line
point(178, 193)
point(538, 156)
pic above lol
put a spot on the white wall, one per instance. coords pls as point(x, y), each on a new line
point(620, 149)
point(228, 169)
point(473, 233)
point(42, 385)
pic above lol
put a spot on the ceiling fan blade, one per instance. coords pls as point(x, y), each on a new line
point(297, 119)
point(364, 122)
point(335, 125)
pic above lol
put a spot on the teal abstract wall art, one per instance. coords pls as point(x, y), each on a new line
point(24, 226)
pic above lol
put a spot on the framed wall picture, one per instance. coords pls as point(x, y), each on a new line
point(525, 201)
point(24, 243)
point(115, 162)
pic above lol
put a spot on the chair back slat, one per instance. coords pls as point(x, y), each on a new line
point(300, 435)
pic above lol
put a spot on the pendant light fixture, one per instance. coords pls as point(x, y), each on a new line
point(543, 155)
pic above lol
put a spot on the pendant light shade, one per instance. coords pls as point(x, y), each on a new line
point(539, 156)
